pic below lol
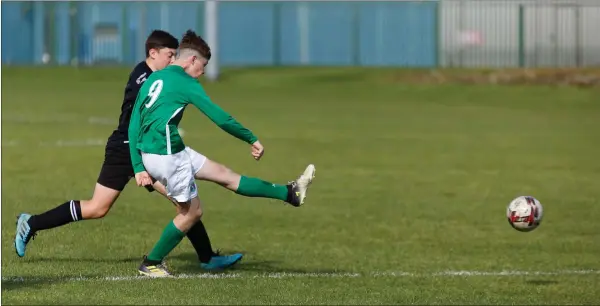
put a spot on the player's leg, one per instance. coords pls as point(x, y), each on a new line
point(175, 172)
point(113, 178)
point(209, 260)
point(189, 213)
point(197, 234)
point(70, 211)
point(293, 193)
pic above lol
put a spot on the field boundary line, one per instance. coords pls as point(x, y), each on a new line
point(283, 275)
point(87, 142)
point(63, 118)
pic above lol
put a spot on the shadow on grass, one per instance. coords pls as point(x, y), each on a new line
point(37, 259)
point(13, 283)
point(187, 263)
point(192, 265)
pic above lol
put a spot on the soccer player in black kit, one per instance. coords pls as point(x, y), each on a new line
point(117, 170)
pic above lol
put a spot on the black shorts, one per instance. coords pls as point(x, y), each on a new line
point(117, 169)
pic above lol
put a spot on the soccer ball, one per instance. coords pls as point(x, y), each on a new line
point(524, 213)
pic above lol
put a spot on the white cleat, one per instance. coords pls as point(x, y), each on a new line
point(300, 186)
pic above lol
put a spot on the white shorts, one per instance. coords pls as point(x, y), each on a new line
point(176, 172)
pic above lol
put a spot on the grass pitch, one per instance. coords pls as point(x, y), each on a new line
point(411, 188)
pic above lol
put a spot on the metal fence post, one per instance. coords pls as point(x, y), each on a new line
point(521, 35)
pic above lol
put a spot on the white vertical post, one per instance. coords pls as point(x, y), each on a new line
point(211, 20)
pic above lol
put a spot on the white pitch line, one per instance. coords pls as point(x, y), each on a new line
point(282, 275)
point(90, 142)
point(10, 143)
point(74, 119)
point(102, 121)
point(516, 273)
point(16, 118)
point(74, 143)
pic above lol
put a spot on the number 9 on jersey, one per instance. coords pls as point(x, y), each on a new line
point(154, 91)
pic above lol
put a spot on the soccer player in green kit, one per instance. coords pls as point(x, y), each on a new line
point(158, 151)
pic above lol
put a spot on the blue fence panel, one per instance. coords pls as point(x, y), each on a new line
point(289, 34)
point(38, 32)
point(176, 17)
point(246, 33)
point(331, 38)
point(101, 29)
point(62, 33)
point(399, 34)
point(17, 32)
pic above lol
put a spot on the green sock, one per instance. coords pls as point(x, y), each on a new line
point(169, 239)
point(254, 187)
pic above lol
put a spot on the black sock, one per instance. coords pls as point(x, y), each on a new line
point(65, 213)
point(149, 262)
point(290, 195)
point(200, 241)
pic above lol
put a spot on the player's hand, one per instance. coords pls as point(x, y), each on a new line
point(257, 150)
point(143, 178)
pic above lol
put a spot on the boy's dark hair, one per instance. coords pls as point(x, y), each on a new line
point(194, 42)
point(159, 39)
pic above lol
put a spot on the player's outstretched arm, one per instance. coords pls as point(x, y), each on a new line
point(221, 118)
point(133, 134)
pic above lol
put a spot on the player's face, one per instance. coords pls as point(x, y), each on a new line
point(163, 57)
point(197, 67)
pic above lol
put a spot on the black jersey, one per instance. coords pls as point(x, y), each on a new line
point(117, 169)
point(137, 77)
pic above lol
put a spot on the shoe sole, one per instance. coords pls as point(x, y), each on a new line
point(235, 262)
point(225, 268)
point(312, 177)
point(15, 241)
point(152, 275)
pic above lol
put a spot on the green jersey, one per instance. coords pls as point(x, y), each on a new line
point(159, 108)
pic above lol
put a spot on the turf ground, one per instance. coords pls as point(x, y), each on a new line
point(411, 188)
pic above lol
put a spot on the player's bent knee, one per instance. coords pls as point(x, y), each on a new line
point(190, 214)
point(233, 180)
point(199, 212)
point(196, 214)
point(218, 173)
point(94, 209)
point(100, 204)
point(230, 180)
point(196, 211)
